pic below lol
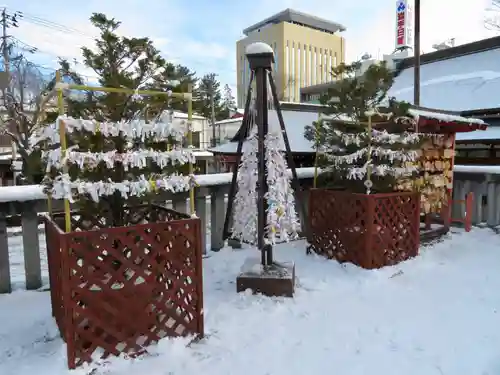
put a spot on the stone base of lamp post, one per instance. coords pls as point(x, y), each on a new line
point(276, 280)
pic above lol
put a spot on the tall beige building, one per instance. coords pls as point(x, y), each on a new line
point(305, 48)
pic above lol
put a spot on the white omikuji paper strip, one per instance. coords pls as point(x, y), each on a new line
point(129, 159)
point(131, 130)
point(64, 188)
point(245, 200)
point(282, 222)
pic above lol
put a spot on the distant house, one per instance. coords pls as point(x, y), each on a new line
point(237, 113)
point(296, 117)
point(200, 127)
point(464, 79)
point(225, 130)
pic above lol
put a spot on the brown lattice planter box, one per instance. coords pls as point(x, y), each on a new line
point(371, 231)
point(117, 290)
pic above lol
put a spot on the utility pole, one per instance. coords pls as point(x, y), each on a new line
point(212, 105)
point(5, 46)
point(8, 21)
point(416, 51)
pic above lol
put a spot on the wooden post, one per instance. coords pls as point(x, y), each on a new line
point(5, 286)
point(31, 245)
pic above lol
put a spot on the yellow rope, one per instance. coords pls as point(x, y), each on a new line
point(190, 143)
point(316, 155)
point(62, 131)
point(62, 136)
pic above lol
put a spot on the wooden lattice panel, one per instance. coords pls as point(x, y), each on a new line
point(53, 242)
point(396, 229)
point(371, 231)
point(125, 288)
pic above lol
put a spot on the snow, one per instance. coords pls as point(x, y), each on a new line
point(295, 123)
point(35, 192)
point(444, 116)
point(21, 193)
point(463, 83)
point(203, 154)
point(491, 133)
point(229, 121)
point(489, 169)
point(258, 48)
point(226, 178)
point(436, 314)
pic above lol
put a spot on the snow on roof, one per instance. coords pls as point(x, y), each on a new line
point(491, 133)
point(295, 123)
point(185, 115)
point(463, 83)
point(445, 117)
point(228, 121)
point(202, 154)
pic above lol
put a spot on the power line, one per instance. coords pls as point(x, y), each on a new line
point(30, 18)
point(39, 21)
point(42, 22)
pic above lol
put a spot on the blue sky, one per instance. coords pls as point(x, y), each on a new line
point(202, 34)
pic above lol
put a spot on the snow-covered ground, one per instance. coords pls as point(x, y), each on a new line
point(436, 314)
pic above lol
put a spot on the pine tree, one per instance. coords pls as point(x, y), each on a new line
point(125, 63)
point(120, 61)
point(208, 86)
point(228, 102)
point(349, 152)
point(177, 78)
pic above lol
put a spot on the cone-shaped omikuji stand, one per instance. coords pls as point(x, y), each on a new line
point(265, 276)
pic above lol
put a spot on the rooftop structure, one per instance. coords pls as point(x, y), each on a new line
point(296, 17)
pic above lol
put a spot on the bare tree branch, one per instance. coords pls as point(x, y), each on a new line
point(492, 18)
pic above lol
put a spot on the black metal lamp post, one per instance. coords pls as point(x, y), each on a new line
point(261, 60)
point(277, 278)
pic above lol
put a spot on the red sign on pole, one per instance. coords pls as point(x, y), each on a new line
point(401, 28)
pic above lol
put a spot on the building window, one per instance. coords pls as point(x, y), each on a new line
point(325, 66)
point(299, 71)
point(292, 76)
point(330, 78)
point(276, 57)
point(313, 67)
point(304, 66)
point(310, 49)
point(286, 84)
